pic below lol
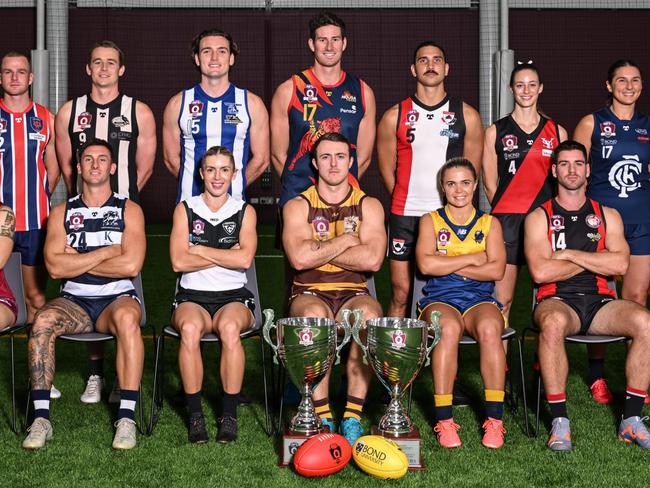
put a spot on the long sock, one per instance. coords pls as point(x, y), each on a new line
point(353, 408)
point(633, 402)
point(494, 403)
point(96, 367)
point(194, 402)
point(443, 406)
point(322, 408)
point(230, 401)
point(557, 404)
point(596, 369)
point(128, 399)
point(41, 399)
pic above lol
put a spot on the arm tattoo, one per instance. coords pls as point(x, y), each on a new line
point(315, 245)
point(8, 223)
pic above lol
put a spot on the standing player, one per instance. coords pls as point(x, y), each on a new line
point(316, 101)
point(95, 244)
point(215, 113)
point(416, 137)
point(211, 296)
point(29, 171)
point(517, 169)
point(573, 244)
point(617, 138)
point(129, 127)
point(333, 235)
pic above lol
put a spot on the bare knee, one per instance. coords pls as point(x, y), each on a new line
point(191, 333)
point(489, 333)
point(45, 324)
point(127, 322)
point(553, 327)
point(229, 335)
point(400, 293)
point(451, 332)
point(315, 310)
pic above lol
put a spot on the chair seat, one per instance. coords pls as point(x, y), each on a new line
point(87, 337)
point(171, 332)
point(467, 340)
point(594, 339)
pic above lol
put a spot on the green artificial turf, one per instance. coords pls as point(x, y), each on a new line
point(80, 452)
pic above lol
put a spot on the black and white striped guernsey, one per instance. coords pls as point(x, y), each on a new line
point(90, 228)
point(218, 230)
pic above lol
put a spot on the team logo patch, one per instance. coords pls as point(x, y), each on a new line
point(321, 226)
point(198, 227)
point(348, 97)
point(548, 143)
point(196, 108)
point(509, 143)
point(110, 218)
point(449, 118)
point(443, 237)
point(623, 175)
point(120, 121)
point(350, 224)
point(412, 117)
point(305, 337)
point(479, 236)
point(231, 108)
point(607, 129)
point(3, 125)
point(399, 246)
point(593, 221)
point(594, 237)
point(76, 221)
point(84, 120)
point(311, 94)
point(398, 339)
point(643, 132)
point(36, 123)
point(229, 227)
point(557, 222)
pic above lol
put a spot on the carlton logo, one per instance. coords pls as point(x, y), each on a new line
point(607, 129)
point(305, 337)
point(398, 339)
point(370, 453)
point(623, 175)
point(509, 143)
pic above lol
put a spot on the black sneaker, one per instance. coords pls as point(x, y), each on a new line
point(196, 432)
point(460, 398)
point(227, 429)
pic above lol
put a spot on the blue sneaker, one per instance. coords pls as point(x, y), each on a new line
point(328, 423)
point(351, 429)
point(560, 438)
point(632, 430)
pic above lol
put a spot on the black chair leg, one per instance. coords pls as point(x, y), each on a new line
point(14, 425)
point(522, 379)
point(156, 394)
point(268, 428)
point(539, 402)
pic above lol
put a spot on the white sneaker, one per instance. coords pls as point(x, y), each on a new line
point(39, 432)
point(55, 393)
point(125, 434)
point(93, 391)
point(114, 397)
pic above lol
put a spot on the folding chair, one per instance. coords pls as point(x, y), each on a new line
point(572, 339)
point(509, 334)
point(169, 331)
point(14, 277)
point(88, 337)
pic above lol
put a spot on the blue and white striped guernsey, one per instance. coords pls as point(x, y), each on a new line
point(90, 228)
point(204, 122)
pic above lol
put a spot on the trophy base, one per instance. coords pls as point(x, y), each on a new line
point(291, 441)
point(410, 444)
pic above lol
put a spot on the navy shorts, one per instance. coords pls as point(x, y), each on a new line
point(638, 238)
point(95, 306)
point(402, 237)
point(586, 306)
point(513, 236)
point(213, 301)
point(462, 304)
point(30, 244)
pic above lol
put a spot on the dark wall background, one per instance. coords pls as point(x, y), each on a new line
point(573, 49)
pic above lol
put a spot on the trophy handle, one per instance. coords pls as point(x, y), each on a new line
point(266, 331)
point(434, 327)
point(349, 330)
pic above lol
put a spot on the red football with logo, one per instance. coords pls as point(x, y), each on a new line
point(322, 455)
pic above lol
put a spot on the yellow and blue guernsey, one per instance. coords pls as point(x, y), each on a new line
point(455, 239)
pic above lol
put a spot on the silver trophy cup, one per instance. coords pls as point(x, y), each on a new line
point(307, 347)
point(397, 348)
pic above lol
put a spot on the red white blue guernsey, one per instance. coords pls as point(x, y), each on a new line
point(620, 154)
point(23, 177)
point(426, 138)
point(206, 122)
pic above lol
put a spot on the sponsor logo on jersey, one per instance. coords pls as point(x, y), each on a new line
point(196, 108)
point(643, 138)
point(111, 219)
point(3, 126)
point(479, 236)
point(449, 133)
point(305, 337)
point(557, 222)
point(462, 231)
point(443, 237)
point(623, 174)
point(348, 97)
point(311, 93)
point(607, 129)
point(509, 143)
point(120, 121)
point(398, 339)
point(643, 132)
point(37, 137)
point(321, 226)
point(398, 246)
point(76, 221)
point(36, 123)
point(509, 156)
point(84, 120)
point(594, 237)
point(228, 240)
point(593, 221)
point(412, 117)
point(351, 224)
point(351, 110)
point(229, 227)
point(449, 118)
point(198, 227)
point(232, 119)
point(232, 108)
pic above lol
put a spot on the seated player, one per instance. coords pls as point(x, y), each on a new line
point(211, 297)
point(95, 243)
point(333, 235)
point(8, 307)
point(462, 250)
point(573, 244)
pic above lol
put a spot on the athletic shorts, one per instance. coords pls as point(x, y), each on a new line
point(213, 301)
point(95, 306)
point(30, 244)
point(586, 306)
point(638, 238)
point(463, 305)
point(10, 303)
point(513, 236)
point(334, 299)
point(402, 237)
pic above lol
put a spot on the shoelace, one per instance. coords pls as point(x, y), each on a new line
point(92, 386)
point(37, 428)
point(491, 424)
point(440, 426)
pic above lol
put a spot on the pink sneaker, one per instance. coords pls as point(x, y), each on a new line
point(600, 392)
point(494, 433)
point(447, 431)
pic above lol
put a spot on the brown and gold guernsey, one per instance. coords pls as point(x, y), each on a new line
point(330, 220)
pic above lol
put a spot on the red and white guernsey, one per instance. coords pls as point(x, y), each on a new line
point(426, 138)
point(23, 177)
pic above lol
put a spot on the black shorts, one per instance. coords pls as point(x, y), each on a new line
point(586, 306)
point(334, 299)
point(402, 237)
point(513, 236)
point(213, 301)
point(95, 306)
